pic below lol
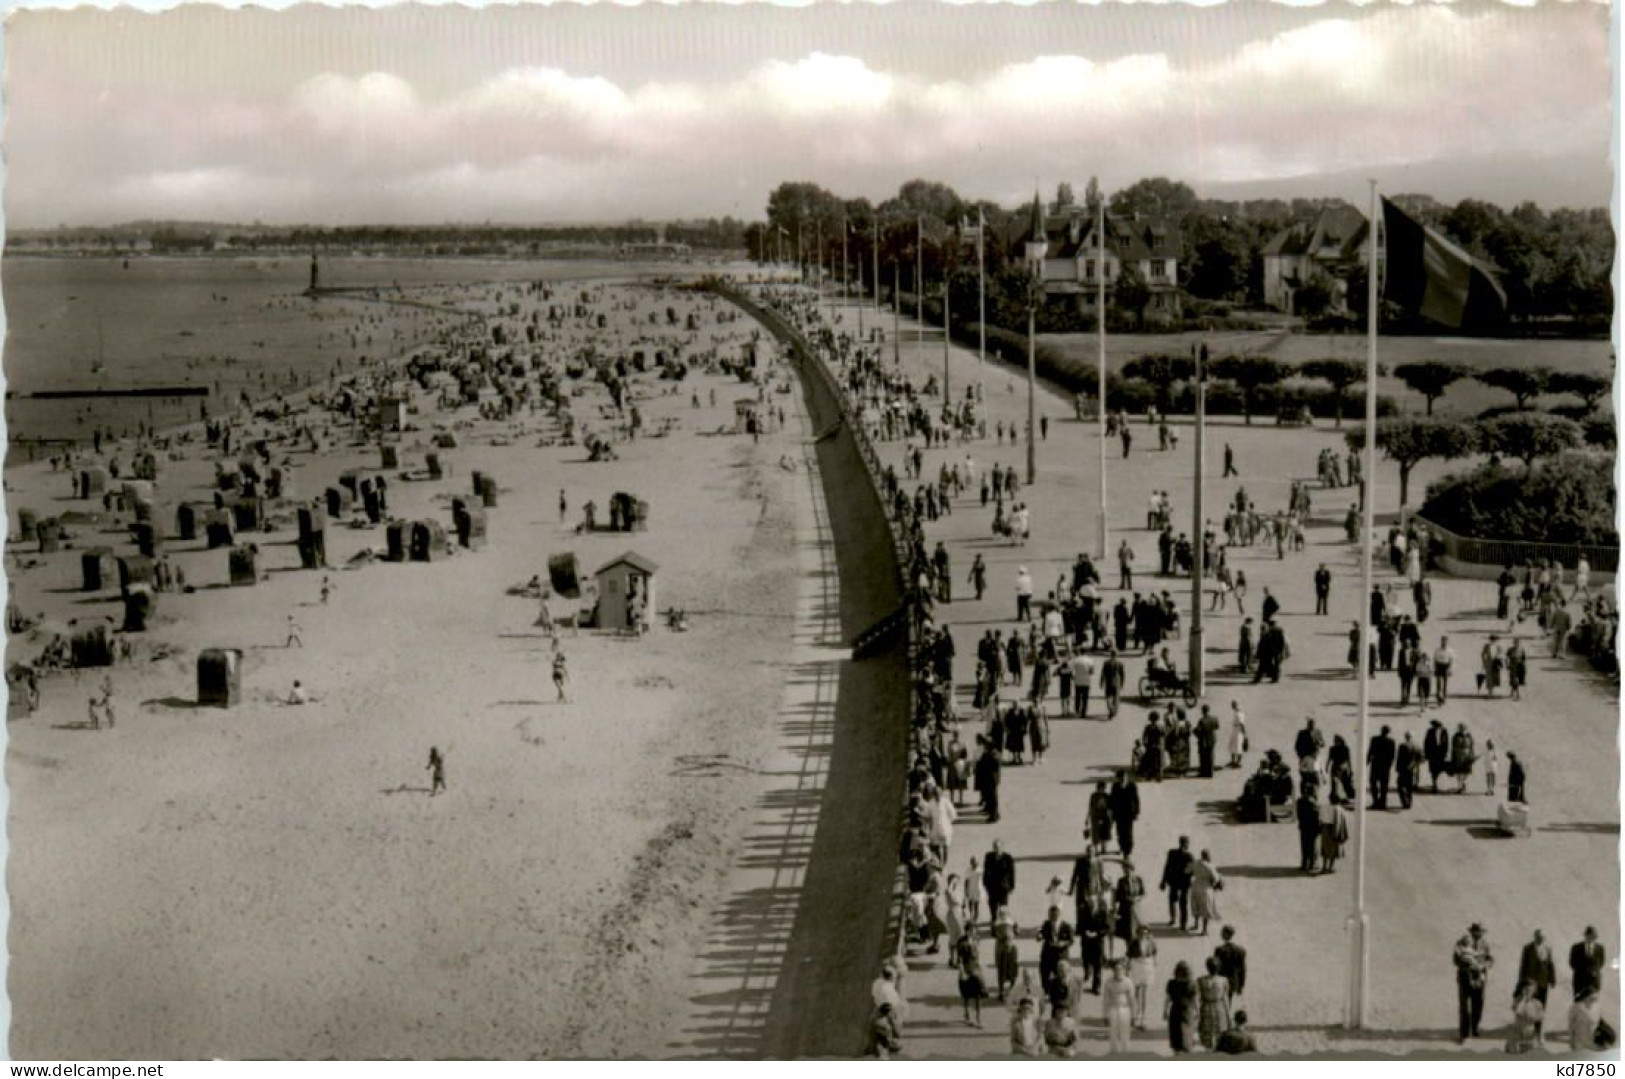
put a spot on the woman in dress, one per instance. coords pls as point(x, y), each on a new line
point(1462, 755)
point(1179, 743)
point(1179, 1009)
point(1142, 971)
point(1213, 994)
point(1117, 1005)
point(1015, 733)
point(972, 988)
point(1038, 731)
point(1126, 896)
point(1334, 832)
point(1006, 961)
point(1238, 735)
point(1205, 885)
point(953, 907)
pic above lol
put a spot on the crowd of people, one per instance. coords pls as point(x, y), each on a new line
point(1066, 653)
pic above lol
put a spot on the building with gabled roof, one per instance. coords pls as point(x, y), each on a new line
point(1324, 250)
point(1073, 262)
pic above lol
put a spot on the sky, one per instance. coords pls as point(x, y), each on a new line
point(566, 113)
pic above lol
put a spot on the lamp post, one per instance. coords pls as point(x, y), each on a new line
point(1037, 248)
point(1199, 544)
point(981, 304)
point(896, 312)
point(1100, 364)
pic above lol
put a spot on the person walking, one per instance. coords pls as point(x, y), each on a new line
point(1125, 566)
point(1443, 661)
point(1409, 762)
point(972, 986)
point(561, 673)
point(1463, 754)
point(1308, 812)
point(1232, 960)
point(1473, 961)
point(978, 576)
point(1142, 971)
point(1082, 669)
point(1213, 998)
point(1125, 803)
point(1207, 740)
point(1177, 871)
point(1517, 668)
point(1117, 1004)
point(1334, 832)
point(1586, 961)
point(1006, 959)
point(1179, 1008)
point(998, 876)
point(1112, 676)
point(295, 634)
point(1206, 884)
point(1238, 735)
point(1379, 758)
point(1536, 968)
point(437, 771)
point(1516, 779)
point(1229, 462)
point(1024, 595)
point(1323, 589)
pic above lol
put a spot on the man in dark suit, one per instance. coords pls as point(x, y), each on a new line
point(998, 877)
point(1176, 881)
point(1308, 832)
point(1232, 960)
point(1409, 763)
point(1088, 881)
point(1536, 969)
point(1323, 588)
point(1379, 757)
point(1125, 798)
point(1586, 962)
point(1207, 739)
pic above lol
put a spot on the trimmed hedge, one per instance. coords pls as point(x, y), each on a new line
point(1136, 395)
point(1567, 499)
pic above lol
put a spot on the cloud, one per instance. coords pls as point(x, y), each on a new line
point(1389, 88)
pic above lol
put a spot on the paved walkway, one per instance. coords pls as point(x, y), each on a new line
point(1431, 870)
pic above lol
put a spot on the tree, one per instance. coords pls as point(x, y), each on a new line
point(1410, 440)
point(1430, 378)
point(1250, 373)
point(1220, 258)
point(1528, 435)
point(1161, 371)
point(1312, 299)
point(1341, 374)
point(1589, 388)
point(1521, 382)
point(1156, 196)
point(1064, 199)
point(1130, 293)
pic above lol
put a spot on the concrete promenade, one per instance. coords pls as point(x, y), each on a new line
point(1431, 870)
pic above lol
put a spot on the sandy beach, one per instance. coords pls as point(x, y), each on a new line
point(276, 881)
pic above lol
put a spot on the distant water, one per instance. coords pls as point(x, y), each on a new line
point(230, 325)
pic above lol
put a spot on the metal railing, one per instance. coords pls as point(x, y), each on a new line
point(810, 359)
point(1516, 553)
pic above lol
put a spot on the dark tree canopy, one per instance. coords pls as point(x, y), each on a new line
point(1568, 499)
point(1250, 373)
point(1340, 374)
point(1521, 382)
point(1430, 378)
point(1161, 371)
point(1589, 388)
point(1410, 440)
point(1528, 435)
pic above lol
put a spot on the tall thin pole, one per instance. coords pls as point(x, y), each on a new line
point(981, 301)
point(801, 261)
point(877, 263)
point(1198, 532)
point(1034, 287)
point(947, 398)
point(896, 312)
point(1100, 359)
point(919, 283)
point(1359, 923)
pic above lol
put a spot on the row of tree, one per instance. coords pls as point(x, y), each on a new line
point(1525, 436)
point(1553, 265)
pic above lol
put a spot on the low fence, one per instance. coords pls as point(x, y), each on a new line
point(1469, 556)
point(810, 360)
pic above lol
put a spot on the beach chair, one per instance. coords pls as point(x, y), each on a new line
point(219, 677)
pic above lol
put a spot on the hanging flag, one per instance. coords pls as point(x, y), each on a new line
point(1432, 277)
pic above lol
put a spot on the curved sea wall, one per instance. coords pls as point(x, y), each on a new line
point(847, 917)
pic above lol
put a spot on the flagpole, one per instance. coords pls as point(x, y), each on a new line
point(897, 312)
point(981, 302)
point(1100, 362)
point(876, 224)
point(947, 398)
point(1359, 922)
